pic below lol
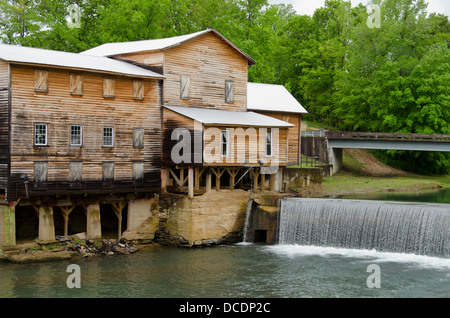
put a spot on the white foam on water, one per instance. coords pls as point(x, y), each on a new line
point(293, 251)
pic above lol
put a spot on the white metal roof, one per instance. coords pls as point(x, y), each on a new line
point(27, 55)
point(273, 98)
point(210, 116)
point(113, 49)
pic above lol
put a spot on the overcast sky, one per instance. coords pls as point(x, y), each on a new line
point(309, 6)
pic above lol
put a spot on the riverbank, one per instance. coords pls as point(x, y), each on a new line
point(362, 173)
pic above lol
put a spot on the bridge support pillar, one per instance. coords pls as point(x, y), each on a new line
point(336, 158)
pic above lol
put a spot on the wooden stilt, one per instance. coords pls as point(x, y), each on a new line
point(218, 174)
point(65, 211)
point(118, 207)
point(255, 174)
point(191, 182)
point(208, 182)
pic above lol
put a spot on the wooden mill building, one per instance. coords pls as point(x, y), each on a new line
point(96, 133)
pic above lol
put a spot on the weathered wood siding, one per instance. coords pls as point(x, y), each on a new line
point(4, 124)
point(247, 146)
point(154, 60)
point(59, 110)
point(209, 62)
point(172, 122)
point(294, 139)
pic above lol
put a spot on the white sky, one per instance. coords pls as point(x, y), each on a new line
point(309, 6)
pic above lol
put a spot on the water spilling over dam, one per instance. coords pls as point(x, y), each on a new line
point(422, 229)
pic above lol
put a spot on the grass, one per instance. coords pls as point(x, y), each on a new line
point(349, 183)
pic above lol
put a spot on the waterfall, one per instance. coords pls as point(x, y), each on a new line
point(247, 220)
point(422, 229)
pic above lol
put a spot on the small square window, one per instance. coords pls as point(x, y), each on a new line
point(138, 138)
point(76, 135)
point(138, 90)
point(40, 135)
point(138, 171)
point(75, 171)
point(185, 92)
point(108, 137)
point(41, 81)
point(108, 171)
point(76, 84)
point(229, 91)
point(40, 171)
point(109, 88)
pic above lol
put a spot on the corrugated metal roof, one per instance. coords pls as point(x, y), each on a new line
point(273, 98)
point(114, 49)
point(27, 55)
point(210, 116)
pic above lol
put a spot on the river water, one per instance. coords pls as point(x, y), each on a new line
point(235, 271)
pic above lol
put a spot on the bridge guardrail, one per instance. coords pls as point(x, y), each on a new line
point(386, 136)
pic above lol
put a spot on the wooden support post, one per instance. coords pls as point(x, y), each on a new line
point(65, 211)
point(190, 182)
point(232, 172)
point(208, 182)
point(118, 208)
point(218, 174)
point(255, 179)
point(263, 182)
point(197, 178)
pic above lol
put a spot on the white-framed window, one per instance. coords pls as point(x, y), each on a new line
point(269, 143)
point(225, 143)
point(108, 136)
point(40, 134)
point(76, 135)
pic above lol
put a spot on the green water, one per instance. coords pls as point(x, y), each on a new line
point(441, 196)
point(243, 271)
point(237, 271)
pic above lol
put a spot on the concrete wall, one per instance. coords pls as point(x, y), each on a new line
point(301, 177)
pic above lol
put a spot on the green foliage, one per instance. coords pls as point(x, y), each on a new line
point(394, 78)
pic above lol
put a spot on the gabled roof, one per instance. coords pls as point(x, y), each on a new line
point(208, 116)
point(33, 56)
point(114, 49)
point(273, 98)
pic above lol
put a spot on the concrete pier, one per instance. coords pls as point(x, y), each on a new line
point(93, 222)
point(46, 224)
point(7, 225)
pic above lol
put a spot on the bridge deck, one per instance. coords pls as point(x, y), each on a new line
point(389, 141)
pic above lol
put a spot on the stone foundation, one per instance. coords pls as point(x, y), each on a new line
point(217, 217)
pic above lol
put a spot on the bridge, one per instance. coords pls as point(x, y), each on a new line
point(336, 141)
point(388, 141)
